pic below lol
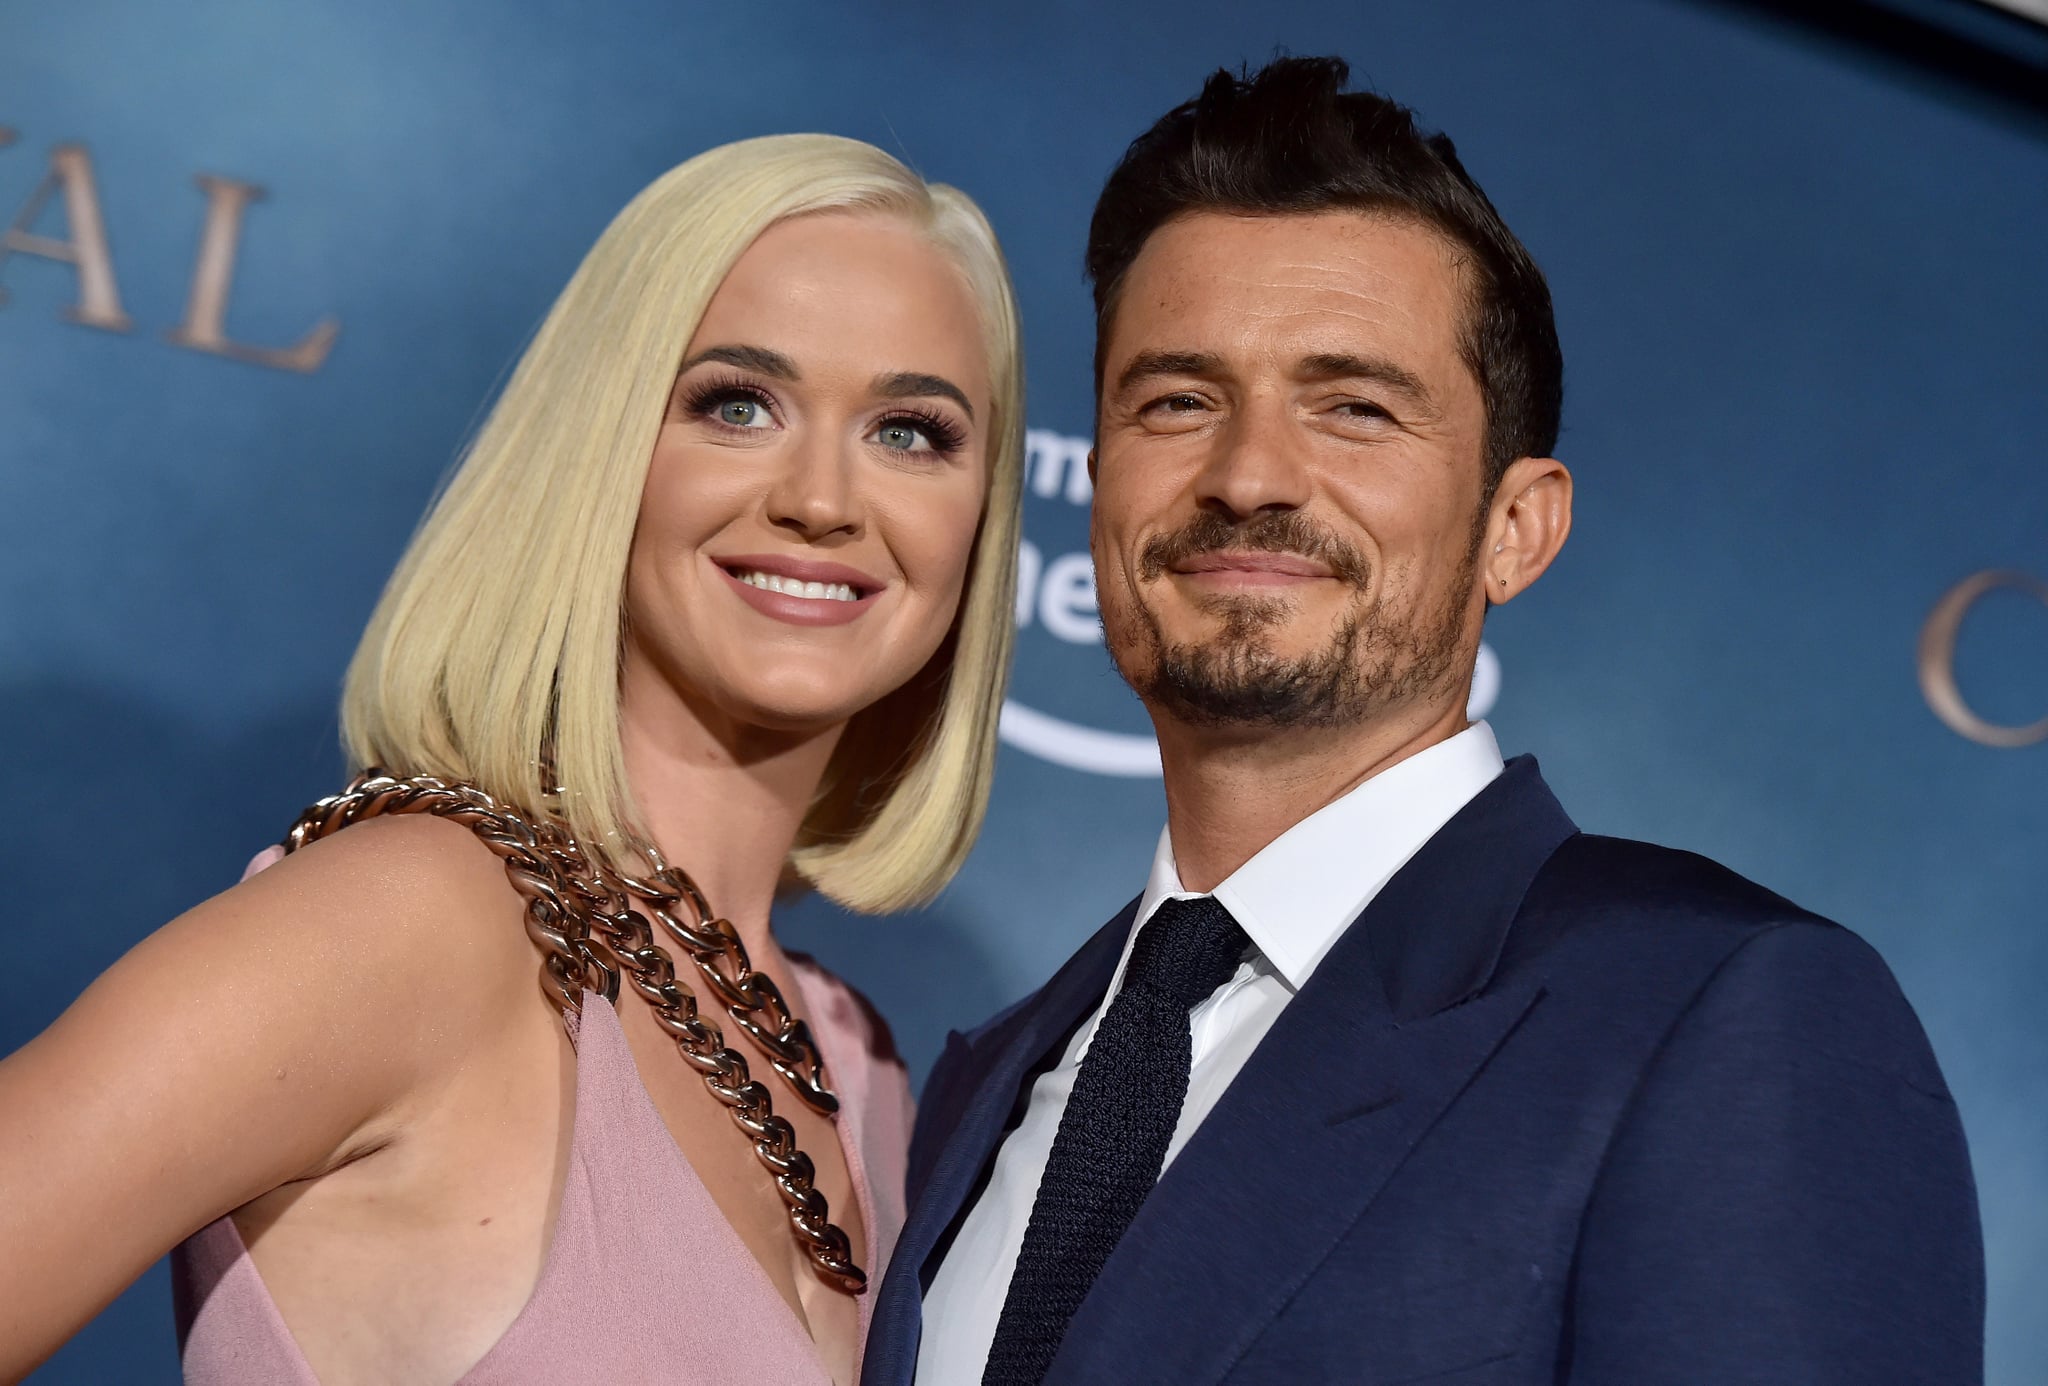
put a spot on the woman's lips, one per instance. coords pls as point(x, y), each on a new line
point(799, 592)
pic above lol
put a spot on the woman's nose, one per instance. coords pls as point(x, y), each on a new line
point(816, 494)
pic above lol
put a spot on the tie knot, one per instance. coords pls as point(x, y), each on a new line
point(1186, 950)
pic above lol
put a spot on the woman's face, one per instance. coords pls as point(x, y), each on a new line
point(817, 484)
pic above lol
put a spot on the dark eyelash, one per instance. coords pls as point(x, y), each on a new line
point(702, 399)
point(706, 395)
point(946, 436)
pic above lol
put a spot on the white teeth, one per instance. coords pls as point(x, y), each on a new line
point(794, 587)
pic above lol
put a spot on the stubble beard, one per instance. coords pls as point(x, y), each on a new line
point(1236, 679)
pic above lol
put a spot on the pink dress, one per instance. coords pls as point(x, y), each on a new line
point(638, 1243)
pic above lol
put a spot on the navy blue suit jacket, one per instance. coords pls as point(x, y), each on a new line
point(1555, 1109)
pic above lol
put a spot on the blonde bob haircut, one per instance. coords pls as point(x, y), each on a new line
point(499, 634)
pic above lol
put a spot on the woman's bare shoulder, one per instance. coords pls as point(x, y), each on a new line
point(423, 885)
point(404, 926)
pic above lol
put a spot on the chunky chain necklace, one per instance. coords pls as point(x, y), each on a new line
point(591, 923)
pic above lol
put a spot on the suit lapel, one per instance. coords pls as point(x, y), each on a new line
point(1008, 1056)
point(1391, 1027)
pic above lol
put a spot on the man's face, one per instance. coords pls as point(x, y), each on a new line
point(1288, 490)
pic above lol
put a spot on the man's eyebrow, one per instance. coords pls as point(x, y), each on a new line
point(1147, 364)
point(747, 358)
point(911, 384)
point(1343, 366)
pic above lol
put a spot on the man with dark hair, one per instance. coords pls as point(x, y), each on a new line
point(1391, 1074)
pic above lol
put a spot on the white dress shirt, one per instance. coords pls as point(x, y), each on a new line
point(1294, 899)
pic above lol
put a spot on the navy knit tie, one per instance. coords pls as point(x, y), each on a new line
point(1113, 1136)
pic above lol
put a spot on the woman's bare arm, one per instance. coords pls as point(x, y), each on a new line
point(272, 1033)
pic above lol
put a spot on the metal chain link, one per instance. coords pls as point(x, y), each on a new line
point(714, 946)
point(581, 914)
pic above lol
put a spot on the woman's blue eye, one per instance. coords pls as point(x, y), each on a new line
point(899, 435)
point(741, 413)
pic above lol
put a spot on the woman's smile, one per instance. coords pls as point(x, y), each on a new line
point(800, 591)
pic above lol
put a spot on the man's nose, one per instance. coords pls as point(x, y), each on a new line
point(816, 493)
point(1256, 463)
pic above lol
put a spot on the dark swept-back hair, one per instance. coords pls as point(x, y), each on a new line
point(1290, 139)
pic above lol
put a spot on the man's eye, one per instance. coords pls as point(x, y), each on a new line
point(1362, 409)
point(1179, 404)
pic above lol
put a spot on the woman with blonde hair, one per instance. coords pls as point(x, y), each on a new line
point(718, 600)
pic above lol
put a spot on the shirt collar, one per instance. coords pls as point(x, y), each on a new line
point(1299, 893)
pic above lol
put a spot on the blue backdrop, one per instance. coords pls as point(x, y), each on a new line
point(1805, 318)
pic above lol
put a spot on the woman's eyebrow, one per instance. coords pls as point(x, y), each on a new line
point(910, 384)
point(747, 358)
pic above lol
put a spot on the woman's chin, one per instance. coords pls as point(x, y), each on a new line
point(803, 710)
point(748, 689)
point(795, 723)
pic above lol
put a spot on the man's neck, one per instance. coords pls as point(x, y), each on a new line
point(1231, 791)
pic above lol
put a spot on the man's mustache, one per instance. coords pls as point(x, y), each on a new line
point(1284, 531)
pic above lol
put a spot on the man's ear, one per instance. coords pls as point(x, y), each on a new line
point(1091, 466)
point(1530, 518)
